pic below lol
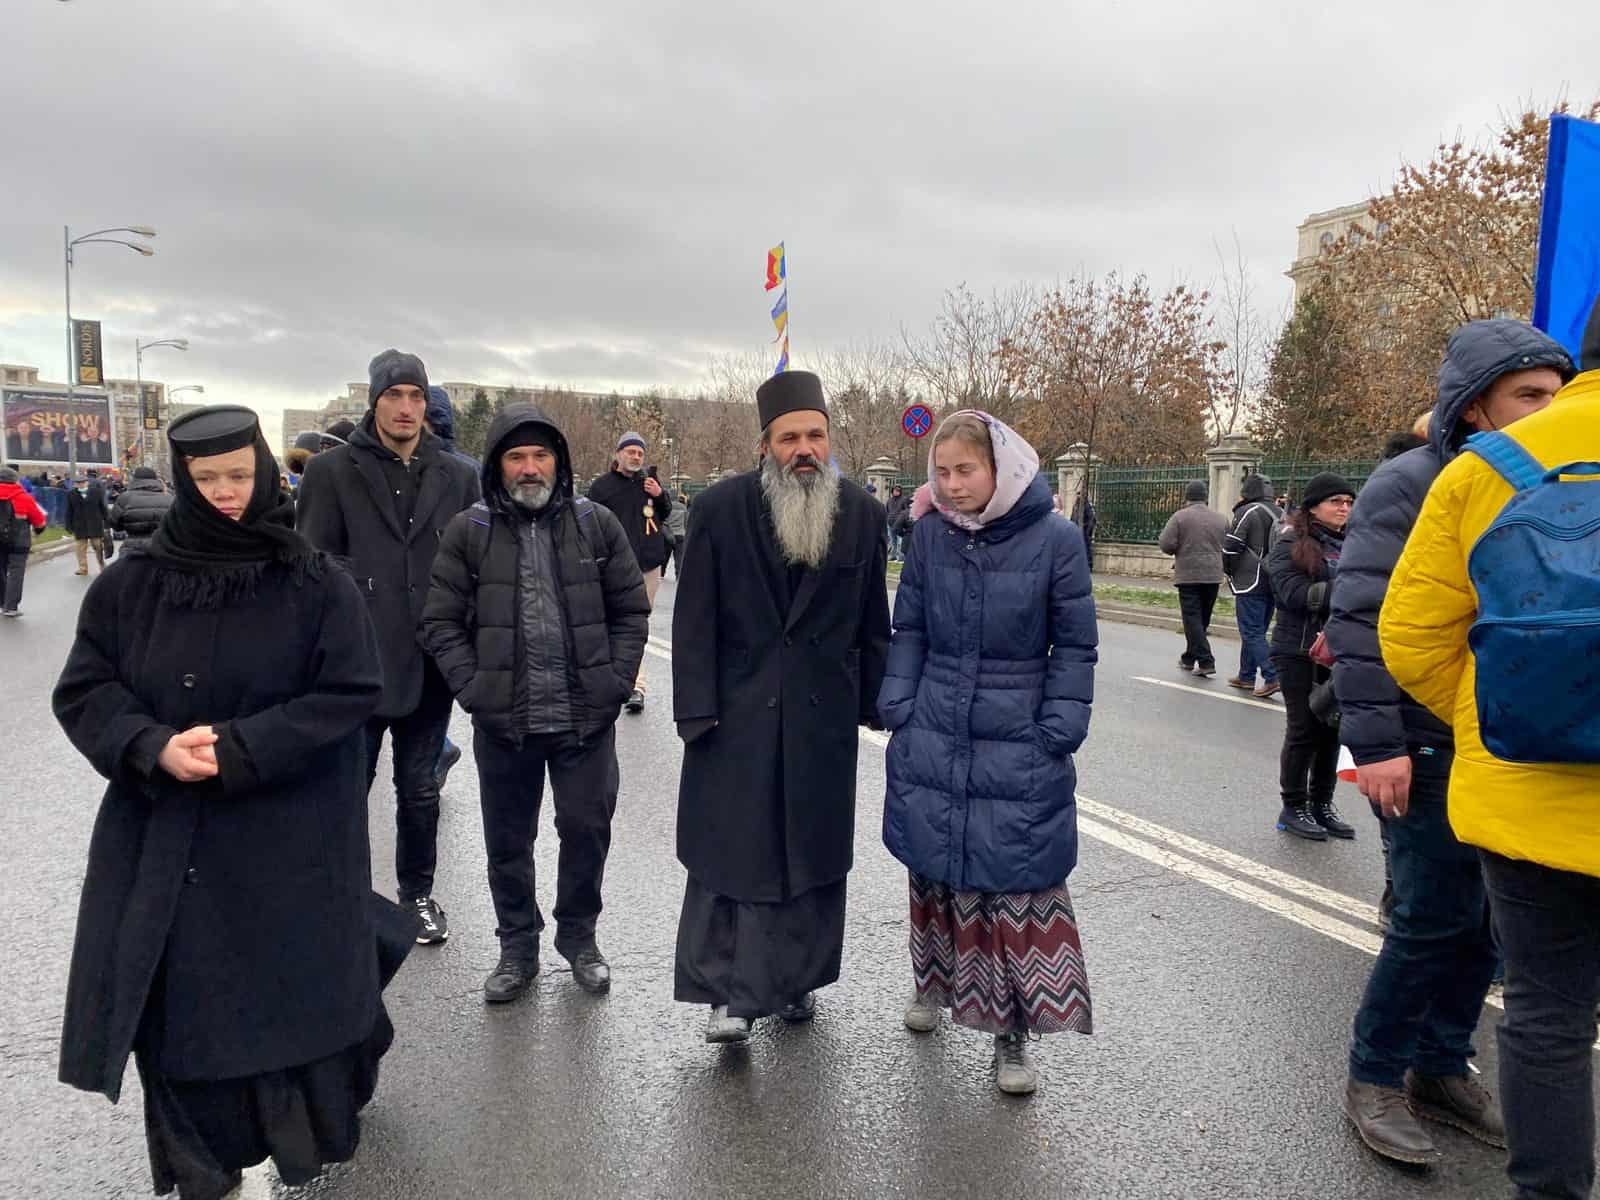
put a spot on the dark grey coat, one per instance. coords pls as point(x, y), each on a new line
point(767, 799)
point(220, 877)
point(1194, 535)
point(346, 509)
point(1379, 721)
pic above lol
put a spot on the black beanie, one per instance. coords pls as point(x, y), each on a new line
point(144, 473)
point(527, 434)
point(1324, 487)
point(1195, 491)
point(1256, 487)
point(393, 367)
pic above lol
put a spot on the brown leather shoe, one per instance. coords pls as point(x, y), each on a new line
point(1386, 1124)
point(1459, 1101)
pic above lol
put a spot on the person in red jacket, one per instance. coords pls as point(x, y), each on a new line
point(16, 536)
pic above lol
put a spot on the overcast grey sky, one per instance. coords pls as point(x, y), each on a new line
point(585, 197)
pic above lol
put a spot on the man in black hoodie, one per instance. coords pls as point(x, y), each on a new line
point(641, 504)
point(1256, 521)
point(382, 503)
point(1412, 1039)
point(538, 618)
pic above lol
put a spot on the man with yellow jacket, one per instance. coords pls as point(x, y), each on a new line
point(1536, 824)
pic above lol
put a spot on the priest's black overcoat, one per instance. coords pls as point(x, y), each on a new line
point(255, 885)
point(766, 802)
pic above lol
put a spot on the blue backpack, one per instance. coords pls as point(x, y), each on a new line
point(1537, 637)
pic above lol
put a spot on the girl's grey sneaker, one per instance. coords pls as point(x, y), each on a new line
point(1014, 1071)
point(922, 1015)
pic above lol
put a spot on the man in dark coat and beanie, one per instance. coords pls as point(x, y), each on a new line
point(1413, 1033)
point(382, 503)
point(1193, 536)
point(538, 618)
point(86, 521)
point(780, 638)
point(640, 502)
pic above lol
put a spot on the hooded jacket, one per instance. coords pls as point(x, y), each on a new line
point(1256, 521)
point(441, 418)
point(1537, 812)
point(1378, 720)
point(139, 510)
point(538, 624)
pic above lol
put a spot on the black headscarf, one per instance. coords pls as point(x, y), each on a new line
point(208, 559)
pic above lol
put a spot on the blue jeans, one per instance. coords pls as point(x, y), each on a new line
point(1544, 919)
point(1426, 990)
point(1254, 614)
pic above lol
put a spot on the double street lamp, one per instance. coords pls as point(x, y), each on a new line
point(68, 244)
point(138, 382)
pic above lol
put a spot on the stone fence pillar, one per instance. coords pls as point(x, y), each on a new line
point(1229, 461)
point(1075, 470)
point(883, 474)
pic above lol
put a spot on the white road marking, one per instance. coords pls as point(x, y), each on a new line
point(256, 1184)
point(1210, 694)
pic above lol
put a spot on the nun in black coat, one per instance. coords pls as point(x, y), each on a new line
point(228, 937)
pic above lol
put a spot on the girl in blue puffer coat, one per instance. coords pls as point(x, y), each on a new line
point(990, 679)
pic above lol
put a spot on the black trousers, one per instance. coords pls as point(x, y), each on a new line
point(584, 778)
point(1308, 768)
point(1544, 922)
point(16, 565)
point(1196, 601)
point(416, 740)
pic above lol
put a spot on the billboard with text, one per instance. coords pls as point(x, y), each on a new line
point(39, 424)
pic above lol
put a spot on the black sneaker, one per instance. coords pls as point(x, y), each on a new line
point(591, 971)
point(1326, 815)
point(636, 701)
point(1204, 671)
point(449, 758)
point(1297, 819)
point(510, 978)
point(434, 929)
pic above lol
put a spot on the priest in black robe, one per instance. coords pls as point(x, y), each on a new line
point(780, 633)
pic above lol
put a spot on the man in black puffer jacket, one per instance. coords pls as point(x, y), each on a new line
point(538, 617)
point(1413, 1032)
point(139, 510)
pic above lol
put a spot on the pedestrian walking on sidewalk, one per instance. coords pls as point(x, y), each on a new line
point(1302, 565)
point(20, 516)
point(1412, 1038)
point(779, 634)
point(538, 617)
point(637, 499)
point(1194, 536)
point(382, 502)
point(228, 936)
point(138, 511)
point(989, 683)
point(1244, 556)
point(1518, 693)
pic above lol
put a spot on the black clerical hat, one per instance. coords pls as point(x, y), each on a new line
point(216, 429)
point(792, 391)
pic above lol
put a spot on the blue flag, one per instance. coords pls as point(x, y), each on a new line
point(1567, 281)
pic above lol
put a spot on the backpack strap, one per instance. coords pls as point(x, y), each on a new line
point(1509, 460)
point(479, 530)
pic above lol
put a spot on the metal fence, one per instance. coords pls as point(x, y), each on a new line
point(1133, 503)
point(1290, 478)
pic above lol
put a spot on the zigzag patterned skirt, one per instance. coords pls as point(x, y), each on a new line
point(1000, 963)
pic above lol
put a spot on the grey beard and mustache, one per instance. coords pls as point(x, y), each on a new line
point(531, 495)
point(803, 508)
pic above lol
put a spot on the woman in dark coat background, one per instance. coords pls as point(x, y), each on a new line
point(227, 933)
point(1302, 566)
point(990, 679)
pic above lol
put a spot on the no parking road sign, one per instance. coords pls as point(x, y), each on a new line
point(917, 420)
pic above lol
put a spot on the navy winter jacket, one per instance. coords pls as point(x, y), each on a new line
point(990, 679)
point(1378, 721)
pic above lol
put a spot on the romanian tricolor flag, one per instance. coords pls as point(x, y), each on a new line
point(776, 271)
point(780, 313)
point(783, 359)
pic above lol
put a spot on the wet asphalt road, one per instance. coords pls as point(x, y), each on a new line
point(1222, 996)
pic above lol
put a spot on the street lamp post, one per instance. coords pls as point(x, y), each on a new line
point(68, 242)
point(138, 383)
point(169, 393)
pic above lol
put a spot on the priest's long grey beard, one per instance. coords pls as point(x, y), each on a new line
point(803, 508)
